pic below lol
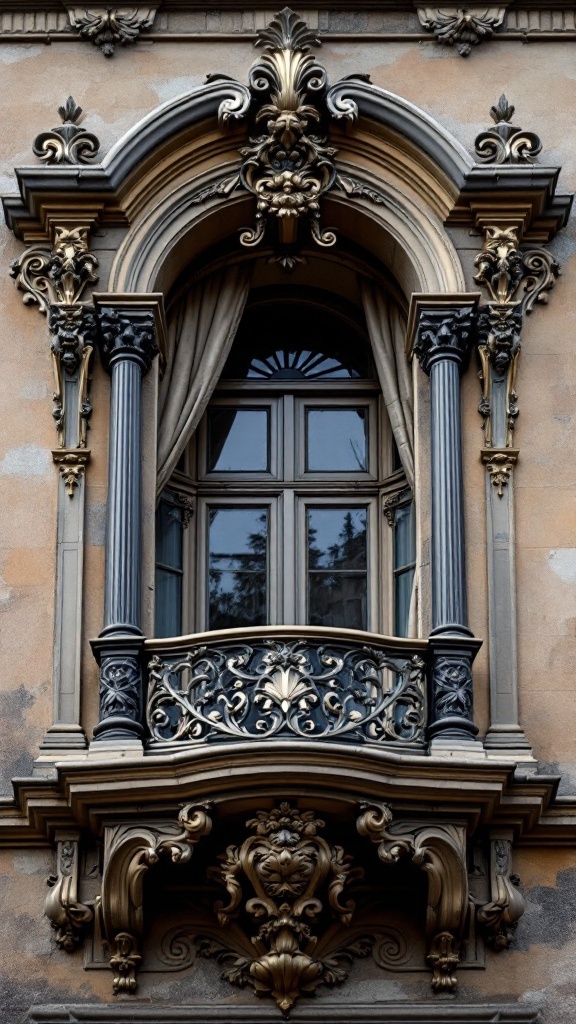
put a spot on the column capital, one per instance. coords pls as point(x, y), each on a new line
point(132, 326)
point(441, 326)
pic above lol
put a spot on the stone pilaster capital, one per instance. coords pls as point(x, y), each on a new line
point(132, 327)
point(442, 327)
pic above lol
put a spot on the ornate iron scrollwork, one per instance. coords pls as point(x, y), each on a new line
point(271, 689)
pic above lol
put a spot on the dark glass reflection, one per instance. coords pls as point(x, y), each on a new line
point(404, 566)
point(168, 592)
point(238, 440)
point(337, 567)
point(336, 440)
point(238, 564)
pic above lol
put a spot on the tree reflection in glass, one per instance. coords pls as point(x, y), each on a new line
point(238, 567)
point(337, 567)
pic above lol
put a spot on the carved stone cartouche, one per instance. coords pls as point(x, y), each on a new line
point(285, 875)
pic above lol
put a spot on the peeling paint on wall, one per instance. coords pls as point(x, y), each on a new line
point(562, 561)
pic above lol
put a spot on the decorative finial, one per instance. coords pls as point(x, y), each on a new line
point(506, 143)
point(68, 143)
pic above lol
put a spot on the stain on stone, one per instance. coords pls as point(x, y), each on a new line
point(562, 561)
point(13, 703)
point(550, 915)
point(28, 460)
point(6, 595)
point(96, 524)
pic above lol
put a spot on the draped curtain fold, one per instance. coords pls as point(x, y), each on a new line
point(387, 332)
point(200, 336)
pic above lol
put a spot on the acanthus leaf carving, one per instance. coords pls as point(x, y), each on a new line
point(111, 26)
point(506, 143)
point(58, 275)
point(516, 280)
point(439, 850)
point(285, 875)
point(128, 335)
point(68, 143)
point(463, 27)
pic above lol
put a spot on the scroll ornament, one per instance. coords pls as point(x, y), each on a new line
point(112, 26)
point(287, 877)
point(505, 143)
point(516, 279)
point(440, 851)
point(463, 27)
point(68, 917)
point(500, 915)
point(68, 143)
point(58, 275)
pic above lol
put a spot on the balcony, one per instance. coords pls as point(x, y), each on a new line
point(282, 682)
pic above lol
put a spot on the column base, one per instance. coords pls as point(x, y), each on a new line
point(63, 737)
point(114, 749)
point(509, 743)
point(465, 749)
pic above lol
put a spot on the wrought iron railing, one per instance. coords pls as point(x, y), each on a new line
point(286, 682)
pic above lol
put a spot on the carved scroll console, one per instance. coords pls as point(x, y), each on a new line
point(285, 901)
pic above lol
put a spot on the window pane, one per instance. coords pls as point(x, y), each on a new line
point(337, 599)
point(404, 540)
point(168, 603)
point(336, 440)
point(336, 538)
point(238, 564)
point(238, 440)
point(403, 594)
point(337, 590)
point(169, 534)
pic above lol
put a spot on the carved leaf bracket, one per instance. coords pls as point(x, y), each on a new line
point(108, 27)
point(69, 918)
point(463, 27)
point(500, 915)
point(440, 851)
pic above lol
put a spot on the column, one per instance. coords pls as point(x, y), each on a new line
point(444, 333)
point(127, 347)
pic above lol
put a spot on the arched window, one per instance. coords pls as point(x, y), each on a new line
point(289, 472)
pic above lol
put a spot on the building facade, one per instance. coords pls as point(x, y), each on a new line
point(288, 485)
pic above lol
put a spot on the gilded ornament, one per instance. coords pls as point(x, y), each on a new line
point(72, 464)
point(285, 875)
point(506, 143)
point(499, 464)
point(68, 143)
point(58, 275)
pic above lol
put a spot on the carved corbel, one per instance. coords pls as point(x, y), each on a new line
point(68, 143)
point(516, 279)
point(500, 462)
point(72, 464)
point(109, 27)
point(500, 915)
point(463, 27)
point(394, 501)
point(130, 852)
point(68, 917)
point(440, 851)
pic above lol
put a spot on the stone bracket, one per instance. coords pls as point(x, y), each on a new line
point(69, 918)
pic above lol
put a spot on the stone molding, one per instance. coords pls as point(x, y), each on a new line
point(406, 1012)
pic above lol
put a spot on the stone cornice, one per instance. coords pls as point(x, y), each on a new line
point(360, 5)
point(91, 791)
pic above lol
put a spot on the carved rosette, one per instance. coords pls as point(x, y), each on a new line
point(506, 143)
point(68, 143)
point(69, 918)
point(463, 27)
point(285, 875)
point(440, 851)
point(112, 26)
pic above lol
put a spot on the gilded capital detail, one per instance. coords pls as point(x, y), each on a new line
point(56, 275)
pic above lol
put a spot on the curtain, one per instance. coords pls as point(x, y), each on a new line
point(202, 328)
point(387, 331)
